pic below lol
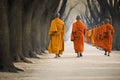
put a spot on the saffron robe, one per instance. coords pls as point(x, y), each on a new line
point(103, 29)
point(56, 34)
point(92, 36)
point(108, 37)
point(77, 36)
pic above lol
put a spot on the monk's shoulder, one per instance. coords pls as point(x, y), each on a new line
point(53, 21)
point(62, 22)
point(74, 23)
point(109, 25)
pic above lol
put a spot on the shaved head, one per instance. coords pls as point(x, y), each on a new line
point(57, 15)
point(77, 17)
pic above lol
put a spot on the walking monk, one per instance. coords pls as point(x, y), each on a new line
point(56, 34)
point(77, 36)
point(108, 37)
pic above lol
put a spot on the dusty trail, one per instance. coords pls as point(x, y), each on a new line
point(92, 66)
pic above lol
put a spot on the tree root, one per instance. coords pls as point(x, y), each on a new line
point(9, 68)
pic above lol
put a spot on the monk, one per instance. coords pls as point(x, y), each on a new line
point(56, 34)
point(77, 36)
point(108, 37)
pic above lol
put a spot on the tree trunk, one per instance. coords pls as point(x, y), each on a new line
point(15, 22)
point(36, 35)
point(27, 19)
point(6, 63)
point(44, 31)
point(116, 39)
point(62, 9)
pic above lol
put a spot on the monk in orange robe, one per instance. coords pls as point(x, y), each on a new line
point(56, 34)
point(103, 29)
point(95, 35)
point(77, 36)
point(108, 37)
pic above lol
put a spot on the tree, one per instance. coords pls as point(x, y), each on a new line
point(28, 9)
point(6, 63)
point(36, 26)
point(62, 9)
point(15, 26)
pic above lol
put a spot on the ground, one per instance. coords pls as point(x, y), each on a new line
point(92, 66)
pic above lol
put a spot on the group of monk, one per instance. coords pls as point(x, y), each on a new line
point(100, 36)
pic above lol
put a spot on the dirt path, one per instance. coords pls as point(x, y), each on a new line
point(92, 66)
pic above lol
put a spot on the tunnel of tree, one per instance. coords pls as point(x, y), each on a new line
point(24, 25)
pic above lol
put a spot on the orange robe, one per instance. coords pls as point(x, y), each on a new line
point(92, 37)
point(95, 36)
point(89, 35)
point(77, 36)
point(103, 29)
point(56, 34)
point(108, 37)
point(100, 36)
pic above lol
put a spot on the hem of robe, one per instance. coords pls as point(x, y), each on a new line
point(56, 52)
point(107, 50)
point(76, 51)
